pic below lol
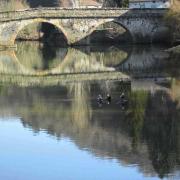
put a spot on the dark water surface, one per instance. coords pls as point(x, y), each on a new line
point(61, 132)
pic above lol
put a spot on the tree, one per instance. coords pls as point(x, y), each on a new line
point(115, 3)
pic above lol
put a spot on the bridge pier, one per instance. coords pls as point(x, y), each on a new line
point(145, 29)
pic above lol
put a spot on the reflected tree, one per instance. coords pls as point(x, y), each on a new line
point(136, 114)
point(147, 133)
point(161, 127)
point(80, 108)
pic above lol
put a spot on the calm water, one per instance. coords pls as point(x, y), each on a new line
point(61, 132)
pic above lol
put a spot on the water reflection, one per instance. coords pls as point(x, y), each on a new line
point(145, 134)
point(36, 59)
point(39, 57)
point(81, 112)
point(147, 61)
point(32, 58)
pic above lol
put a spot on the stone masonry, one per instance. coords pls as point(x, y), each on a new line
point(144, 25)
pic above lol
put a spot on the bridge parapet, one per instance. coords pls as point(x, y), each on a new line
point(79, 13)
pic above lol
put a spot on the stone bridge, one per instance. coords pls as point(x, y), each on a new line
point(144, 25)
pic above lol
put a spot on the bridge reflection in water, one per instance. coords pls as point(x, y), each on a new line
point(144, 134)
point(35, 59)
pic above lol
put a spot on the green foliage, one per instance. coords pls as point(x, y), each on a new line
point(125, 3)
point(172, 19)
point(116, 3)
point(161, 131)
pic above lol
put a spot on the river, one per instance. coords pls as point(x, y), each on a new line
point(59, 131)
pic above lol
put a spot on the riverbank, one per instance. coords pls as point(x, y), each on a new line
point(174, 54)
point(172, 19)
point(173, 63)
point(61, 79)
point(175, 50)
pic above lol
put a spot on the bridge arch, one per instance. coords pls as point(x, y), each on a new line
point(126, 28)
point(52, 22)
point(99, 23)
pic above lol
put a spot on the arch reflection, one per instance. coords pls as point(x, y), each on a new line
point(35, 59)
